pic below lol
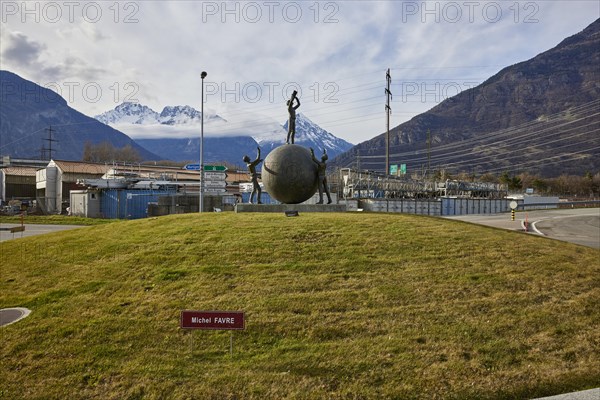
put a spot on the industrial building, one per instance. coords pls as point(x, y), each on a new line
point(55, 182)
point(113, 190)
point(137, 191)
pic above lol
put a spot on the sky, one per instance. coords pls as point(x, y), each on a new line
point(98, 54)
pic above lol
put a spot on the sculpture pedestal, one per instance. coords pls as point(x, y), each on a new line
point(281, 208)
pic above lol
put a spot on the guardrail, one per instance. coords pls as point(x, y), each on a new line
point(561, 204)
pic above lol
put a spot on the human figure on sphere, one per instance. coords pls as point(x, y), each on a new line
point(252, 171)
point(321, 168)
point(292, 120)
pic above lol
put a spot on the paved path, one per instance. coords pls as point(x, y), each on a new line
point(576, 226)
point(580, 225)
point(32, 230)
point(592, 394)
point(11, 315)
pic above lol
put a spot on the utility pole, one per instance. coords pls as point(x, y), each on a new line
point(49, 140)
point(358, 168)
point(201, 199)
point(428, 152)
point(388, 111)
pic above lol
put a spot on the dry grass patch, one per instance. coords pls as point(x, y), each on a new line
point(337, 306)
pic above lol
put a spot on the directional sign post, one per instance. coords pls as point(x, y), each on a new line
point(214, 184)
point(192, 167)
point(215, 168)
point(215, 176)
point(214, 179)
point(214, 190)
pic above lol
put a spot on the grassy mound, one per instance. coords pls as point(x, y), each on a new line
point(337, 306)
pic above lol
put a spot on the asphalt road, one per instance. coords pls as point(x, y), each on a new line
point(592, 394)
point(579, 225)
point(12, 315)
point(32, 230)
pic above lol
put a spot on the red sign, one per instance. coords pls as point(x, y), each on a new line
point(226, 320)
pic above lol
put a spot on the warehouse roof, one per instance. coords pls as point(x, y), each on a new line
point(19, 171)
point(81, 167)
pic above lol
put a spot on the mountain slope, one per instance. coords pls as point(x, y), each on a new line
point(539, 116)
point(29, 109)
point(216, 149)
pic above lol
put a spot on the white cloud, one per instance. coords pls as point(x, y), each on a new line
point(153, 52)
point(258, 126)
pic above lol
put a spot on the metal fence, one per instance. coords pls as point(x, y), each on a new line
point(437, 207)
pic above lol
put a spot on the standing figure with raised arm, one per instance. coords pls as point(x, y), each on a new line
point(292, 121)
point(252, 170)
point(321, 167)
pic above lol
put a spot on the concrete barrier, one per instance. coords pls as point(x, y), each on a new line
point(272, 208)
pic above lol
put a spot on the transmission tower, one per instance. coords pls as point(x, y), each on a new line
point(50, 141)
point(388, 111)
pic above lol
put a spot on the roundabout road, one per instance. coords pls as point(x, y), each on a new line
point(579, 226)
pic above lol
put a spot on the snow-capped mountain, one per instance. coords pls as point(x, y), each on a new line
point(309, 134)
point(179, 115)
point(129, 113)
point(139, 114)
point(174, 133)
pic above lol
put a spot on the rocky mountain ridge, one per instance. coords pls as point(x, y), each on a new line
point(539, 116)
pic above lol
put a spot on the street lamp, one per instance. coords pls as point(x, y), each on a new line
point(201, 200)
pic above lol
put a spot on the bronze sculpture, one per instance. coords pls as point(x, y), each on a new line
point(292, 120)
point(322, 179)
point(252, 170)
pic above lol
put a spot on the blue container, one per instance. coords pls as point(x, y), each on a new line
point(265, 198)
point(129, 204)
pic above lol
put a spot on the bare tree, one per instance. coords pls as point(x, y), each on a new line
point(106, 152)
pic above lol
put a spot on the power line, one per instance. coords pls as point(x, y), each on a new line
point(515, 130)
point(554, 130)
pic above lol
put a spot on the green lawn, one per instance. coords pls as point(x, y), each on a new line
point(338, 306)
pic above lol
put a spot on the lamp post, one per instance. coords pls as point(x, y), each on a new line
point(201, 200)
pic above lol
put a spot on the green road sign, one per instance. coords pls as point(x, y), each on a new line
point(403, 169)
point(394, 169)
point(215, 168)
